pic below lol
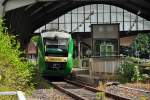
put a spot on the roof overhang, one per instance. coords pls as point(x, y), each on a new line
point(42, 12)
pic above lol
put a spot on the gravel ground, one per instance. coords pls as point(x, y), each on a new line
point(49, 94)
point(139, 86)
point(127, 93)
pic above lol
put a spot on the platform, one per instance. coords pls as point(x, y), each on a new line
point(84, 76)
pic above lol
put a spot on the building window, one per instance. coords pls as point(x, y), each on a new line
point(104, 48)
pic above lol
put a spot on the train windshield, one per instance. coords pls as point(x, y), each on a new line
point(56, 47)
point(58, 44)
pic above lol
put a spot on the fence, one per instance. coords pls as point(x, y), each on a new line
point(19, 94)
point(102, 68)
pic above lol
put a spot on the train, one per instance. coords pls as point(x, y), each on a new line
point(55, 53)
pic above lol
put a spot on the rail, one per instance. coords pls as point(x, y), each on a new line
point(19, 94)
point(108, 94)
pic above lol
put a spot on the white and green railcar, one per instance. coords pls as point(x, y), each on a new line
point(55, 51)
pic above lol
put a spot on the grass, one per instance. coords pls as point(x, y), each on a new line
point(4, 97)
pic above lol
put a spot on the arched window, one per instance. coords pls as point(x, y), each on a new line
point(97, 14)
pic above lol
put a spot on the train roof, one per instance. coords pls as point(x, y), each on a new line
point(52, 34)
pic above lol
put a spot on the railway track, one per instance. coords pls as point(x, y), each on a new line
point(83, 92)
point(78, 93)
point(121, 92)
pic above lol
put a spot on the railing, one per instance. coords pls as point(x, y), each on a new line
point(19, 94)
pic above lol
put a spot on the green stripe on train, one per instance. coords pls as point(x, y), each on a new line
point(70, 59)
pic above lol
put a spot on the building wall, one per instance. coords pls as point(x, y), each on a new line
point(127, 41)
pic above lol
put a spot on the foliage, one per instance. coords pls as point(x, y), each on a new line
point(100, 96)
point(145, 69)
point(15, 72)
point(141, 44)
point(141, 98)
point(136, 74)
point(129, 71)
point(40, 82)
point(35, 39)
point(132, 71)
point(134, 60)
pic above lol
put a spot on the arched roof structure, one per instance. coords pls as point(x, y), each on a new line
point(25, 16)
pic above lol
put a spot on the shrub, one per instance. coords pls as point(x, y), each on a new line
point(129, 71)
point(145, 70)
point(15, 72)
point(141, 44)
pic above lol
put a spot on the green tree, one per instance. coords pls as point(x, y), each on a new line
point(141, 44)
point(35, 39)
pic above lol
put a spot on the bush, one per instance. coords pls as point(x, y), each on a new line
point(145, 69)
point(141, 44)
point(129, 71)
point(15, 72)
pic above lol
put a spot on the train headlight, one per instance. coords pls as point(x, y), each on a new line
point(46, 58)
point(65, 59)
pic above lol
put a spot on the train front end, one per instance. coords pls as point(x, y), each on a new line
point(57, 54)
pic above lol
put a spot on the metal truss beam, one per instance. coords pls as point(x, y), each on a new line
point(13, 4)
point(56, 13)
point(41, 9)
